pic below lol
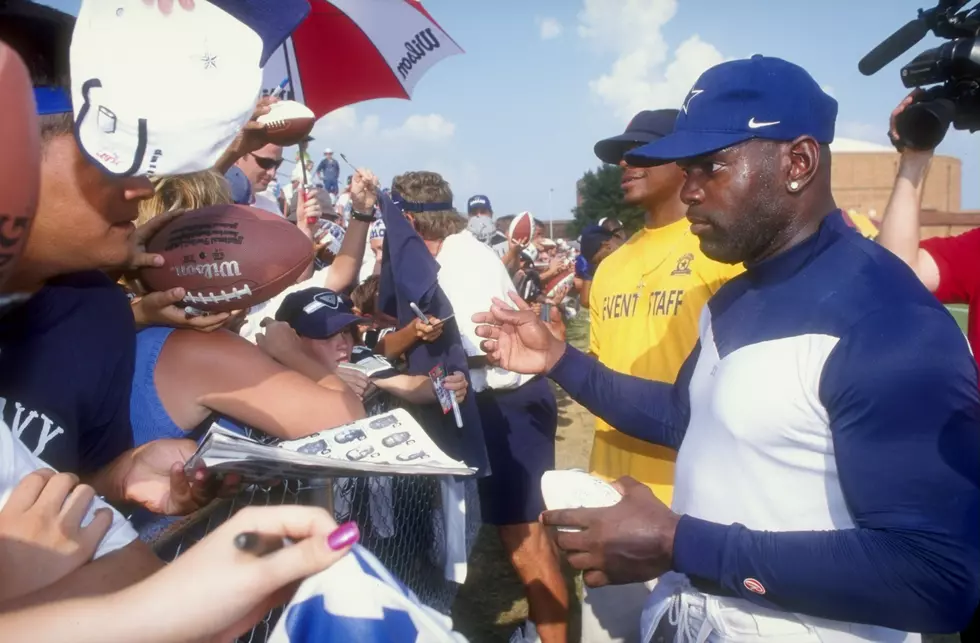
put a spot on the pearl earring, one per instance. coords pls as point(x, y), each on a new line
point(794, 186)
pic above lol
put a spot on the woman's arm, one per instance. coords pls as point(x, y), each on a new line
point(418, 389)
point(223, 373)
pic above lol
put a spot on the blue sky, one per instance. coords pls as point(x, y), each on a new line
point(542, 80)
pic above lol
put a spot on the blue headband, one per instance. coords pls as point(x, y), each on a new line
point(52, 100)
point(412, 206)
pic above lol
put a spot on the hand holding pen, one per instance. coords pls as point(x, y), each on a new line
point(251, 561)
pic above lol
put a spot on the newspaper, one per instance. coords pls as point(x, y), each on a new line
point(392, 443)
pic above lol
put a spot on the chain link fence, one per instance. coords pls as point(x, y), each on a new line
point(400, 519)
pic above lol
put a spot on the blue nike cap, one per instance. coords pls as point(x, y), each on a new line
point(755, 98)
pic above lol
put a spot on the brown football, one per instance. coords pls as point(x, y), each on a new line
point(228, 257)
point(287, 123)
point(20, 161)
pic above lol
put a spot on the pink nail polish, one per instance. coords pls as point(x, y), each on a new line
point(344, 536)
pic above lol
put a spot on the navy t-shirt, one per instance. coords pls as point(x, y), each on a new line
point(66, 368)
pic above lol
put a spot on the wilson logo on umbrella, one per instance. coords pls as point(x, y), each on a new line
point(348, 51)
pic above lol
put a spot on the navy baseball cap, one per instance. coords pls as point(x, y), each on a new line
point(646, 127)
point(317, 313)
point(479, 201)
point(755, 98)
point(592, 239)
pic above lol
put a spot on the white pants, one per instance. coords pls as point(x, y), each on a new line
point(611, 614)
point(678, 613)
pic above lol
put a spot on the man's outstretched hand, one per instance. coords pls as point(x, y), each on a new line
point(517, 340)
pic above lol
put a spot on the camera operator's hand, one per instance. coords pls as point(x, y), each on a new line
point(893, 127)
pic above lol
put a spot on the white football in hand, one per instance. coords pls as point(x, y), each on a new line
point(576, 489)
point(288, 122)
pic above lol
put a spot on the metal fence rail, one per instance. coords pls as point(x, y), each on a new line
point(400, 519)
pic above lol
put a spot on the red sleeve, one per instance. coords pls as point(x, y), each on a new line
point(958, 259)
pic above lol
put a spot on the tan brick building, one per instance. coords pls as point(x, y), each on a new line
point(863, 175)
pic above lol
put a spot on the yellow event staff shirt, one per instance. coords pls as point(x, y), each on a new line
point(645, 303)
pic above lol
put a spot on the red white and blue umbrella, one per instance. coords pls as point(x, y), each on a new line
point(348, 51)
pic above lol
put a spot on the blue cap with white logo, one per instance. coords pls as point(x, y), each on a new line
point(478, 203)
point(317, 313)
point(759, 97)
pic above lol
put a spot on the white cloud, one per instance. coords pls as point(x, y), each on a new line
point(430, 128)
point(345, 123)
point(645, 74)
point(390, 147)
point(550, 28)
point(862, 132)
point(829, 90)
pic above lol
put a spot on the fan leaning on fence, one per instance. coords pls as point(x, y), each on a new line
point(51, 530)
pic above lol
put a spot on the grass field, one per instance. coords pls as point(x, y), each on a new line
point(491, 605)
point(959, 313)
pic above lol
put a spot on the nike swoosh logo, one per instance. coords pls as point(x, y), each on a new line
point(755, 125)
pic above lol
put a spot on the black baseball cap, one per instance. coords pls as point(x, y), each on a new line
point(646, 127)
point(317, 313)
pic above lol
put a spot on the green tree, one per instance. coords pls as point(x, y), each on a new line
point(602, 197)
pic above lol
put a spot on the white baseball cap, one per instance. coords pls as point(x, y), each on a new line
point(157, 94)
point(328, 151)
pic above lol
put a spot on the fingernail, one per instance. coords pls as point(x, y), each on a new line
point(158, 261)
point(344, 536)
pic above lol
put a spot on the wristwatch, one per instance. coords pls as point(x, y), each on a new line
point(360, 216)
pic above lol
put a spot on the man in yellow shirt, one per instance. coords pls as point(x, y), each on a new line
point(645, 303)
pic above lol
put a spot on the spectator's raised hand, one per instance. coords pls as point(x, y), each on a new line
point(517, 340)
point(364, 191)
point(251, 138)
point(517, 244)
point(893, 124)
point(167, 6)
point(309, 211)
point(249, 585)
point(165, 308)
point(456, 382)
point(428, 332)
point(42, 539)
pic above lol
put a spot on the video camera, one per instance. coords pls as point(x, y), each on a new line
point(955, 64)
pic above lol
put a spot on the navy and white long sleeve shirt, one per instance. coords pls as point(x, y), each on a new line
point(828, 427)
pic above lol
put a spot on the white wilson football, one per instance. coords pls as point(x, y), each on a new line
point(287, 122)
point(576, 489)
point(521, 226)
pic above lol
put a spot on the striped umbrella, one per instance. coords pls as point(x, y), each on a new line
point(348, 51)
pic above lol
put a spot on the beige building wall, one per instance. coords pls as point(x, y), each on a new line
point(863, 181)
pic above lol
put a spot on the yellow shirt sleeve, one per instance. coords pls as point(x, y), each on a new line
point(720, 273)
point(595, 312)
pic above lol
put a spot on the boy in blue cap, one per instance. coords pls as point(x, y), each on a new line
point(827, 486)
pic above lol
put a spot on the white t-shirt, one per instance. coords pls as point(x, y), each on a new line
point(267, 201)
point(344, 207)
point(368, 263)
point(471, 275)
point(17, 461)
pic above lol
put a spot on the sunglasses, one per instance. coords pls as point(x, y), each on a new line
point(266, 163)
